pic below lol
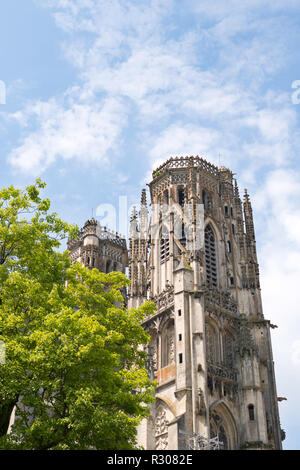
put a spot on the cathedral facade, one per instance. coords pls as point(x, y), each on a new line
point(210, 351)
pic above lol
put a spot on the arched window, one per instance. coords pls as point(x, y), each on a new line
point(166, 197)
point(217, 428)
point(251, 412)
point(164, 244)
point(210, 256)
point(181, 197)
point(108, 266)
point(228, 349)
point(212, 344)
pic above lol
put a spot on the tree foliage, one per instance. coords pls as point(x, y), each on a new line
point(75, 369)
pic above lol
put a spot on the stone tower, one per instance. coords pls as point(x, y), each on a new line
point(210, 349)
point(98, 247)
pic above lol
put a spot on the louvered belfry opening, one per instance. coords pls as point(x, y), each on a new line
point(164, 245)
point(210, 256)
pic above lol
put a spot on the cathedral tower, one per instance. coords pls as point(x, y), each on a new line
point(98, 247)
point(210, 349)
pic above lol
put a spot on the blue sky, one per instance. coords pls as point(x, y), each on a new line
point(98, 93)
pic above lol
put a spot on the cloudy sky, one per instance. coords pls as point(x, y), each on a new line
point(96, 93)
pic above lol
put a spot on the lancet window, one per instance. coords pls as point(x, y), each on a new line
point(210, 256)
point(164, 245)
point(228, 349)
point(212, 344)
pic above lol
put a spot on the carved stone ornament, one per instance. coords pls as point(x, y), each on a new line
point(161, 430)
point(201, 402)
point(171, 349)
point(220, 299)
point(244, 339)
point(165, 299)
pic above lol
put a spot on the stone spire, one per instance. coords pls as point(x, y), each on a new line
point(239, 216)
point(144, 198)
point(133, 224)
point(143, 216)
point(248, 218)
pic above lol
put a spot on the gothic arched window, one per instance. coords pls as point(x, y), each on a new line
point(212, 344)
point(166, 197)
point(228, 350)
point(217, 429)
point(210, 256)
point(164, 244)
point(108, 266)
point(181, 197)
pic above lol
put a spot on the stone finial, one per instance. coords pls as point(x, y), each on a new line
point(134, 214)
point(236, 190)
point(247, 198)
point(144, 198)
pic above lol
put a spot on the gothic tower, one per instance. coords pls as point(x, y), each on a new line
point(98, 247)
point(210, 349)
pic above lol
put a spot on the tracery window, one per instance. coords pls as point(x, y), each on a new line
point(166, 197)
point(210, 256)
point(217, 429)
point(164, 245)
point(228, 350)
point(212, 344)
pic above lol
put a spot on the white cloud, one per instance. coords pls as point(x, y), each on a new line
point(86, 132)
point(296, 352)
point(183, 140)
point(129, 55)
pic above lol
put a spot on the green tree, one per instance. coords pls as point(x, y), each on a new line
point(75, 370)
